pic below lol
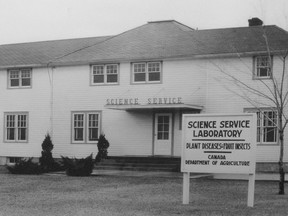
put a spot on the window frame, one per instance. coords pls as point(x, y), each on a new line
point(257, 67)
point(260, 137)
point(20, 78)
point(86, 126)
point(105, 74)
point(146, 72)
point(16, 127)
point(13, 160)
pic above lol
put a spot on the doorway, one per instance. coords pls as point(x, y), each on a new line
point(163, 134)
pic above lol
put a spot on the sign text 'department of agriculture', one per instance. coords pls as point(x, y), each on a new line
point(219, 143)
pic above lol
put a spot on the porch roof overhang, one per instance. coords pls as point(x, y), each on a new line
point(139, 107)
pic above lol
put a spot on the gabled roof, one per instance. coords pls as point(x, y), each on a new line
point(154, 40)
point(41, 53)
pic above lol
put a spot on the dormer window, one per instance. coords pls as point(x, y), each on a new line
point(263, 67)
point(19, 78)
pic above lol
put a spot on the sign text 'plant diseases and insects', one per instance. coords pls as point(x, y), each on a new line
point(219, 143)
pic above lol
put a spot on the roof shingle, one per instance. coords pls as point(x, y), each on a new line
point(160, 40)
point(154, 40)
point(41, 53)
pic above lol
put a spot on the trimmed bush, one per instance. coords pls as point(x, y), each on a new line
point(78, 167)
point(46, 160)
point(102, 145)
point(25, 166)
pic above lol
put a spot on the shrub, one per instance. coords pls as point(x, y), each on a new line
point(78, 167)
point(25, 166)
point(102, 145)
point(46, 160)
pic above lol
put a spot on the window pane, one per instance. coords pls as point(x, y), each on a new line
point(165, 119)
point(112, 78)
point(163, 127)
point(22, 130)
point(98, 69)
point(166, 136)
point(269, 135)
point(10, 120)
point(258, 134)
point(78, 134)
point(112, 69)
point(160, 127)
point(263, 66)
point(14, 82)
point(263, 72)
point(14, 74)
point(25, 73)
point(154, 76)
point(78, 120)
point(93, 134)
point(98, 79)
point(93, 126)
point(258, 119)
point(10, 127)
point(26, 82)
point(154, 67)
point(139, 77)
point(166, 127)
point(22, 121)
point(93, 120)
point(10, 134)
point(159, 135)
point(22, 134)
point(270, 118)
point(160, 119)
point(269, 126)
point(139, 68)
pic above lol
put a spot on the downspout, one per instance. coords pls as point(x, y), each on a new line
point(50, 70)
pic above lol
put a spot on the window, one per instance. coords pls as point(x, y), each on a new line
point(163, 130)
point(19, 78)
point(267, 121)
point(263, 67)
point(104, 74)
point(16, 127)
point(13, 160)
point(266, 127)
point(146, 72)
point(86, 127)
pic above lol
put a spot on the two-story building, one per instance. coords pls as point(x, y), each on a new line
point(134, 88)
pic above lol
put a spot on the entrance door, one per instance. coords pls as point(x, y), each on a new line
point(163, 134)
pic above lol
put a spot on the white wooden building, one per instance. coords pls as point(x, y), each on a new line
point(134, 88)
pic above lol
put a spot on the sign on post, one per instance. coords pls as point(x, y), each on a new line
point(219, 144)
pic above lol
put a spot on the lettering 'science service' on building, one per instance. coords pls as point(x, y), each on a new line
point(219, 143)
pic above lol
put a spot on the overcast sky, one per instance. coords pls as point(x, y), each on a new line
point(39, 20)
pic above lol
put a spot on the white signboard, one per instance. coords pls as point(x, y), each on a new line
point(219, 143)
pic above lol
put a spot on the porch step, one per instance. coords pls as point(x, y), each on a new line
point(140, 164)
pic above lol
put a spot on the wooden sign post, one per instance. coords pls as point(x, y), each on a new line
point(219, 144)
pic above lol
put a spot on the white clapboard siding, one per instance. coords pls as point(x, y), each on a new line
point(197, 82)
point(36, 102)
point(129, 133)
point(221, 97)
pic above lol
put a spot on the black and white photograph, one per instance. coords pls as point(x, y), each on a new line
point(143, 108)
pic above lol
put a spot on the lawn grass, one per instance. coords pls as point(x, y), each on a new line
point(120, 195)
